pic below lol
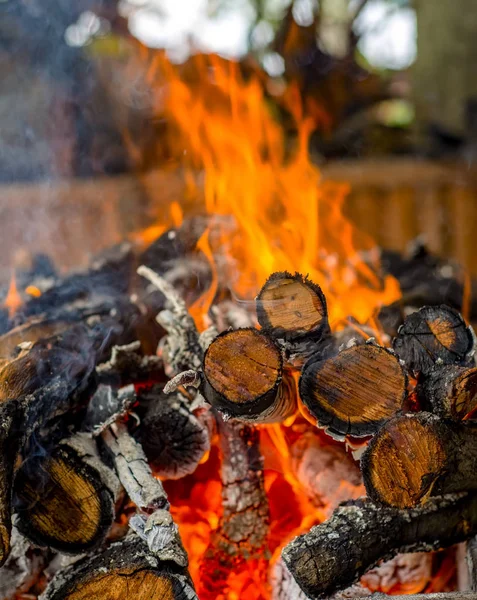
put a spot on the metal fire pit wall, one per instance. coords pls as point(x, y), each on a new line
point(393, 200)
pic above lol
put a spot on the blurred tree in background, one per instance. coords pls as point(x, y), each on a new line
point(69, 104)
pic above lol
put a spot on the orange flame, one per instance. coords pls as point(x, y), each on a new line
point(277, 212)
point(13, 301)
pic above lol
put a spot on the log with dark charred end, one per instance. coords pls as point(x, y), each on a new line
point(355, 391)
point(334, 554)
point(10, 423)
point(173, 438)
point(65, 500)
point(243, 373)
point(434, 335)
point(292, 307)
point(125, 570)
point(415, 456)
point(133, 470)
point(449, 392)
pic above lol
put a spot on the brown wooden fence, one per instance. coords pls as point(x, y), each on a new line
point(393, 200)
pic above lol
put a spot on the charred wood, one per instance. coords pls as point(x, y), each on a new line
point(415, 456)
point(243, 528)
point(334, 554)
point(449, 392)
point(106, 406)
point(434, 335)
point(174, 439)
point(65, 500)
point(181, 348)
point(128, 365)
point(471, 558)
point(133, 470)
point(355, 391)
point(127, 569)
point(22, 568)
point(9, 448)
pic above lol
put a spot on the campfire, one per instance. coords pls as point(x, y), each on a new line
point(237, 402)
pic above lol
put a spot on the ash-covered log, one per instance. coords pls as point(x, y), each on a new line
point(125, 570)
point(336, 553)
point(326, 472)
point(242, 533)
point(244, 378)
point(355, 391)
point(291, 306)
point(449, 392)
point(174, 439)
point(65, 500)
point(415, 456)
point(434, 335)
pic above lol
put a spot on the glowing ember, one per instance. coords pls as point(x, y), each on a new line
point(13, 301)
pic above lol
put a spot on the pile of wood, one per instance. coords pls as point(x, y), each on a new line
point(91, 415)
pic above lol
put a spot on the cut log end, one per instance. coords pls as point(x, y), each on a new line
point(433, 335)
point(243, 372)
point(450, 392)
point(355, 391)
point(127, 583)
point(404, 460)
point(291, 306)
point(125, 570)
point(62, 502)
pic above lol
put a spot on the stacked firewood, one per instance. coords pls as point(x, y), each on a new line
point(89, 418)
point(416, 400)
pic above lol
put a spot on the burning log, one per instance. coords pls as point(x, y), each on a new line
point(355, 391)
point(127, 569)
point(334, 554)
point(449, 392)
point(434, 335)
point(414, 456)
point(292, 310)
point(173, 438)
point(65, 500)
point(243, 528)
point(243, 377)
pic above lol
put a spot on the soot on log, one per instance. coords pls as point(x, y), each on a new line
point(65, 500)
point(450, 392)
point(291, 306)
point(355, 391)
point(173, 438)
point(415, 456)
point(334, 554)
point(433, 335)
point(126, 570)
point(243, 374)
